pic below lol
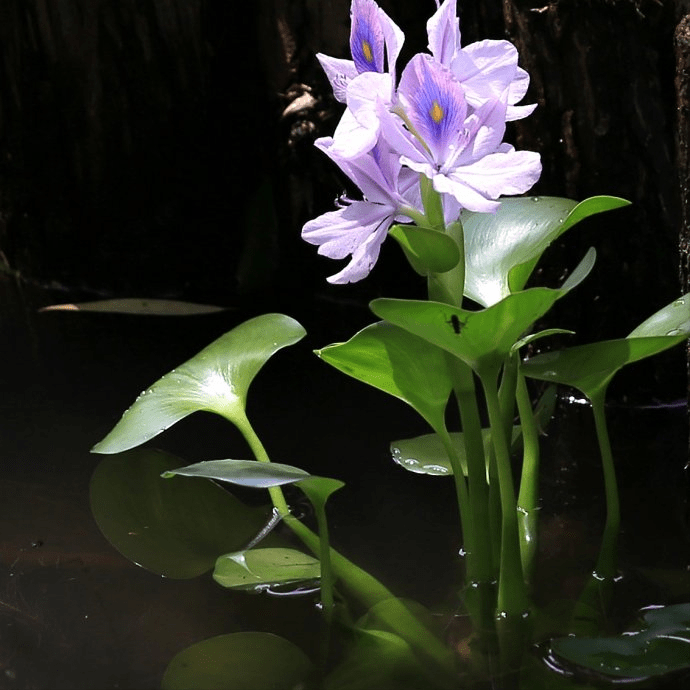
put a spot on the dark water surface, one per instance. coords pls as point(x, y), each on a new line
point(74, 613)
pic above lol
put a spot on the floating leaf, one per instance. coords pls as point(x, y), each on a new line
point(590, 368)
point(215, 380)
point(259, 475)
point(660, 647)
point(239, 661)
point(399, 363)
point(427, 455)
point(427, 250)
point(502, 249)
point(176, 529)
point(264, 567)
point(143, 307)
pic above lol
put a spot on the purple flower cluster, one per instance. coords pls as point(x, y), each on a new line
point(444, 121)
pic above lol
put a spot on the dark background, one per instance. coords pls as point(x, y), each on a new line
point(158, 148)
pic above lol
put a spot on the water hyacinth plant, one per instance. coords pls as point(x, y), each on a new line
point(427, 151)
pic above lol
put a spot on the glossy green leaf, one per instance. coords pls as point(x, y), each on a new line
point(661, 646)
point(482, 339)
point(427, 455)
point(427, 250)
point(239, 661)
point(502, 249)
point(590, 368)
point(263, 567)
point(258, 475)
point(537, 336)
point(139, 306)
point(672, 320)
point(399, 363)
point(215, 380)
point(176, 529)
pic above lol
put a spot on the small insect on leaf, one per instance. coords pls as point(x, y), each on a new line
point(455, 322)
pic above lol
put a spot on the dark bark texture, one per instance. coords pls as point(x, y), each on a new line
point(164, 147)
point(682, 47)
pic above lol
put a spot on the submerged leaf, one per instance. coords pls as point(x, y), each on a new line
point(263, 567)
point(176, 529)
point(215, 380)
point(239, 661)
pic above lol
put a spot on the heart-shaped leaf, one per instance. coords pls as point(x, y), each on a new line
point(215, 380)
point(502, 249)
point(176, 529)
point(263, 567)
point(258, 475)
point(239, 661)
point(399, 363)
point(427, 250)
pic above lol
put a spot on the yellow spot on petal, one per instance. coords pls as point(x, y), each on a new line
point(368, 54)
point(436, 112)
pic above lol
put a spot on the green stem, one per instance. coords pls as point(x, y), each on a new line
point(275, 492)
point(361, 585)
point(433, 207)
point(606, 563)
point(528, 497)
point(369, 592)
point(512, 593)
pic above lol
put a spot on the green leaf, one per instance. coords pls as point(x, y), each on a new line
point(176, 529)
point(319, 489)
point(239, 661)
point(258, 475)
point(377, 659)
point(482, 339)
point(383, 655)
point(661, 646)
point(536, 336)
point(399, 363)
point(427, 250)
point(263, 567)
point(427, 455)
point(590, 368)
point(139, 306)
point(672, 320)
point(215, 380)
point(502, 249)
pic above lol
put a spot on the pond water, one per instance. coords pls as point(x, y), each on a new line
point(74, 613)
